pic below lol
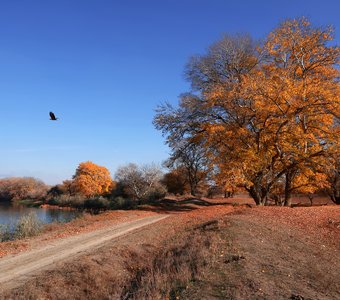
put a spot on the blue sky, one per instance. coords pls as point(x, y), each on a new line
point(103, 66)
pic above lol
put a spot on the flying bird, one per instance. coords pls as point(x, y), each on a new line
point(52, 117)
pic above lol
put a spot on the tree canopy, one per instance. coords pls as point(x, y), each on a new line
point(263, 113)
point(91, 180)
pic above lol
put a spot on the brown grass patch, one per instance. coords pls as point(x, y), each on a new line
point(131, 271)
point(83, 224)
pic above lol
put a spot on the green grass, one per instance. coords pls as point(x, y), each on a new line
point(30, 202)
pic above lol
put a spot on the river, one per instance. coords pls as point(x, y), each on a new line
point(10, 214)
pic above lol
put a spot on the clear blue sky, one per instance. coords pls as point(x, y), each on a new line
point(103, 66)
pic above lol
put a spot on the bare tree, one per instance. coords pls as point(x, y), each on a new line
point(192, 159)
point(140, 182)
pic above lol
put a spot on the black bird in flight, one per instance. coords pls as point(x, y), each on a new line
point(52, 116)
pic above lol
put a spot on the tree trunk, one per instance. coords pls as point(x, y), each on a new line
point(258, 195)
point(288, 199)
point(192, 183)
point(288, 187)
point(310, 197)
point(335, 199)
point(193, 191)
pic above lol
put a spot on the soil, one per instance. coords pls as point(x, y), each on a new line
point(260, 253)
point(14, 269)
point(274, 253)
point(85, 223)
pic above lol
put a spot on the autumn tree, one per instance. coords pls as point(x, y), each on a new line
point(191, 159)
point(66, 188)
point(176, 181)
point(21, 188)
point(302, 88)
point(91, 180)
point(217, 115)
point(332, 188)
point(263, 113)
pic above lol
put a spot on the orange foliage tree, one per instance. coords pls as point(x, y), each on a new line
point(265, 115)
point(91, 180)
point(21, 188)
point(176, 181)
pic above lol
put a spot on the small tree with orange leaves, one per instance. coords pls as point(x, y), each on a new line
point(91, 180)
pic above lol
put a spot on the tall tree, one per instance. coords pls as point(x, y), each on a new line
point(263, 113)
point(189, 157)
point(302, 88)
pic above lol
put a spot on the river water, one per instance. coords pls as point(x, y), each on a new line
point(10, 214)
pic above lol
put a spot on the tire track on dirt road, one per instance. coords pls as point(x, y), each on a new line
point(16, 269)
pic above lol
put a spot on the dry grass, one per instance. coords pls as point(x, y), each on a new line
point(27, 226)
point(190, 255)
point(82, 224)
point(158, 271)
point(165, 272)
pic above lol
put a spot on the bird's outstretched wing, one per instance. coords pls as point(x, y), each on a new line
point(52, 116)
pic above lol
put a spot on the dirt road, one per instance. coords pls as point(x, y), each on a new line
point(17, 269)
point(247, 253)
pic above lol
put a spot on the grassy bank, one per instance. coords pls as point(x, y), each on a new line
point(145, 271)
point(165, 272)
point(27, 226)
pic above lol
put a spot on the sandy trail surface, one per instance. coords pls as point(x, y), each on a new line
point(16, 269)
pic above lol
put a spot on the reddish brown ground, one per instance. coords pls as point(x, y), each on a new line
point(82, 224)
point(258, 253)
point(274, 253)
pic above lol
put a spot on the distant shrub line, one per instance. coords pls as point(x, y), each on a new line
point(99, 202)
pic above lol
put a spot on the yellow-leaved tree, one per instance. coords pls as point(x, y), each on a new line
point(91, 180)
point(266, 116)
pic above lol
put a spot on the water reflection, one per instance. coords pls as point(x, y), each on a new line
point(10, 214)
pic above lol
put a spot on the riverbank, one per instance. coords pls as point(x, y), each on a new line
point(85, 223)
point(57, 207)
point(205, 252)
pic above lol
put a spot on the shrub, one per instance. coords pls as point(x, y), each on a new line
point(28, 225)
point(122, 203)
point(5, 234)
point(66, 200)
point(97, 203)
point(157, 193)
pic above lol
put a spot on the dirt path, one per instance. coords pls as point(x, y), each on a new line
point(17, 269)
point(254, 253)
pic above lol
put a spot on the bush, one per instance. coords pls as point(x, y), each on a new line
point(122, 203)
point(156, 194)
point(66, 200)
point(97, 203)
point(28, 225)
point(5, 234)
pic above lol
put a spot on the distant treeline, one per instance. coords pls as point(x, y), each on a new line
point(93, 187)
